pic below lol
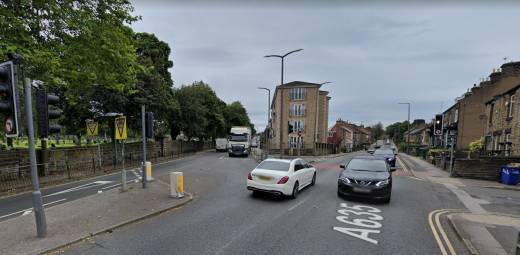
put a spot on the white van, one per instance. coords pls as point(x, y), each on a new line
point(221, 144)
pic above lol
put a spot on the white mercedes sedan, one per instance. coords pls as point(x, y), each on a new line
point(281, 177)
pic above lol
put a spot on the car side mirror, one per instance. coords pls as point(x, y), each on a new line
point(342, 166)
point(392, 169)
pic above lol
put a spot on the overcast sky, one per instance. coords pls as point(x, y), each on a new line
point(375, 55)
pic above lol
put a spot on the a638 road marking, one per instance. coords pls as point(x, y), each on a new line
point(366, 220)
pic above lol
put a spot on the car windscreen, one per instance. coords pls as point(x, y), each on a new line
point(383, 152)
point(274, 165)
point(238, 138)
point(373, 165)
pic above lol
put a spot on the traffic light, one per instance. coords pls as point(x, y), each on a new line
point(148, 120)
point(47, 112)
point(9, 98)
point(437, 126)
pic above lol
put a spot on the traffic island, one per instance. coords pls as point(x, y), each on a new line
point(77, 220)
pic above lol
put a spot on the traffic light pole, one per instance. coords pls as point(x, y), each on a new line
point(39, 213)
point(143, 128)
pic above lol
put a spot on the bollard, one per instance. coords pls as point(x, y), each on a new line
point(149, 177)
point(176, 185)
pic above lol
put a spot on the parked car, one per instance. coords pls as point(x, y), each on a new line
point(388, 154)
point(366, 177)
point(371, 150)
point(221, 144)
point(281, 177)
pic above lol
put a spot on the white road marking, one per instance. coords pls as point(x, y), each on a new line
point(80, 187)
point(298, 204)
point(370, 225)
point(29, 210)
point(221, 157)
point(471, 203)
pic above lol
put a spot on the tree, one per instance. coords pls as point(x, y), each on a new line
point(396, 131)
point(236, 115)
point(80, 49)
point(377, 131)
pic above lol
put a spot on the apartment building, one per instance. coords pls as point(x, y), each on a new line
point(303, 111)
point(468, 118)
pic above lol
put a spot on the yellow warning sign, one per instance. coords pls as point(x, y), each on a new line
point(120, 123)
point(92, 128)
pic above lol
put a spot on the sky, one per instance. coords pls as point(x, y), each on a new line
point(375, 55)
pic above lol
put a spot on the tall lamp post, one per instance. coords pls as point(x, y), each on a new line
point(408, 136)
point(268, 129)
point(282, 57)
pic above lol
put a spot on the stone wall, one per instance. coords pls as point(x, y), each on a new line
point(483, 168)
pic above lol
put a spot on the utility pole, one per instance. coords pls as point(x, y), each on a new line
point(39, 213)
point(282, 57)
point(143, 129)
point(268, 129)
point(408, 136)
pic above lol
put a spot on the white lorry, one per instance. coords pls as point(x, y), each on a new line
point(239, 141)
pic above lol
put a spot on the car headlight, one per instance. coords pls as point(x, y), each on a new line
point(383, 183)
point(346, 180)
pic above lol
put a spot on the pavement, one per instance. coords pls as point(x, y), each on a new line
point(490, 223)
point(84, 218)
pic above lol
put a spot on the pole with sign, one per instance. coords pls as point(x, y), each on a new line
point(120, 134)
point(93, 130)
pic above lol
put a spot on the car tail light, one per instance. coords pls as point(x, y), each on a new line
point(249, 177)
point(283, 180)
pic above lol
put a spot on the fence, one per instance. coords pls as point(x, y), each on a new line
point(60, 165)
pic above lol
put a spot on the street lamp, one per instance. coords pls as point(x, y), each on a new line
point(282, 57)
point(267, 136)
point(408, 136)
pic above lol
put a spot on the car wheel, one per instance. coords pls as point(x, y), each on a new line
point(255, 193)
point(313, 179)
point(230, 155)
point(339, 194)
point(387, 200)
point(295, 191)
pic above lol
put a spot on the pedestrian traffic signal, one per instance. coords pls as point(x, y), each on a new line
point(148, 118)
point(45, 105)
point(437, 126)
point(9, 98)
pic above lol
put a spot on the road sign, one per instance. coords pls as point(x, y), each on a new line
point(92, 128)
point(120, 125)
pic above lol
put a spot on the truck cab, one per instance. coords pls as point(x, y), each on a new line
point(239, 141)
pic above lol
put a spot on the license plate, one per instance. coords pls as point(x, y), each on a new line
point(361, 190)
point(265, 178)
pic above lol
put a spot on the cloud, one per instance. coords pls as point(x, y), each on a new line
point(375, 55)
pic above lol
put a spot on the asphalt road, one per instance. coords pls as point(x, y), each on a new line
point(14, 206)
point(225, 218)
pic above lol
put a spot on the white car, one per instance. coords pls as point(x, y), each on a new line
point(281, 177)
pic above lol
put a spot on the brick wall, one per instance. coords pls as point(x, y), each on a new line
point(484, 168)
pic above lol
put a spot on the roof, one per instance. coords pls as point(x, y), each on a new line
point(503, 94)
point(279, 160)
point(370, 157)
point(299, 84)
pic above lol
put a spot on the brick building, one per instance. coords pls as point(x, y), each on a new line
point(348, 136)
point(467, 119)
point(304, 118)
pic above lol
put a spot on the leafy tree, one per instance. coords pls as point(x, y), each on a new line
point(377, 131)
point(396, 131)
point(236, 115)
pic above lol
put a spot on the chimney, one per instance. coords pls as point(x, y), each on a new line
point(495, 76)
point(511, 69)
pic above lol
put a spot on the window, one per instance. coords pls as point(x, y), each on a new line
point(296, 126)
point(297, 110)
point(296, 142)
point(298, 93)
point(491, 109)
point(510, 106)
point(456, 115)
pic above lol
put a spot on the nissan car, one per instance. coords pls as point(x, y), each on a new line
point(366, 177)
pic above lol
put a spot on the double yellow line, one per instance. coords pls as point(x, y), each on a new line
point(438, 231)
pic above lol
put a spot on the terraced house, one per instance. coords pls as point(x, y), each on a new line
point(303, 110)
point(474, 114)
